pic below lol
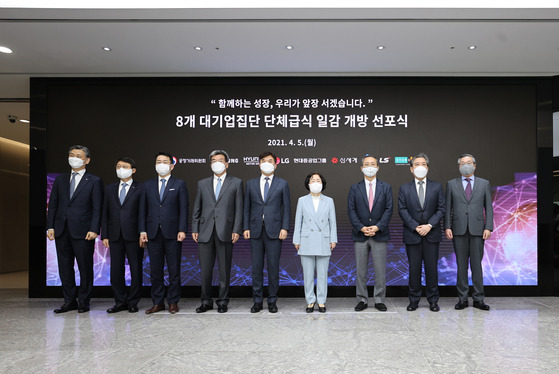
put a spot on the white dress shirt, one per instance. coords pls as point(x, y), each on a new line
point(374, 182)
point(263, 183)
point(77, 178)
point(222, 180)
point(127, 188)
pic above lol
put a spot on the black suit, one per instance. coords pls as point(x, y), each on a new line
point(120, 226)
point(71, 220)
point(163, 220)
point(422, 248)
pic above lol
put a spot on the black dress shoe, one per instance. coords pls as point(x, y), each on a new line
point(257, 307)
point(204, 308)
point(481, 305)
point(310, 308)
point(66, 307)
point(434, 307)
point(361, 306)
point(272, 308)
point(133, 309)
point(117, 308)
point(461, 305)
point(222, 308)
point(412, 307)
point(83, 308)
point(322, 309)
point(381, 307)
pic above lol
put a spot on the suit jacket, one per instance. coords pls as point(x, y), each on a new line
point(82, 213)
point(359, 215)
point(171, 214)
point(274, 212)
point(413, 214)
point(123, 218)
point(475, 215)
point(314, 231)
point(225, 213)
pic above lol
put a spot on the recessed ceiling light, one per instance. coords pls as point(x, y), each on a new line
point(5, 49)
point(380, 47)
point(24, 120)
point(198, 48)
point(472, 47)
point(290, 47)
point(106, 49)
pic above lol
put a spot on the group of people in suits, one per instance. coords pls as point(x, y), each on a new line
point(131, 216)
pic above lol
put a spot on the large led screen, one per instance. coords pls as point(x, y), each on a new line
point(322, 125)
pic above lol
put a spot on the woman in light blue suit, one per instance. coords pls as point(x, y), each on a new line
point(314, 238)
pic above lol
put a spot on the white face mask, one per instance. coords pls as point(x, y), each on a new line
point(75, 163)
point(315, 187)
point(267, 168)
point(218, 167)
point(420, 172)
point(162, 169)
point(370, 171)
point(123, 173)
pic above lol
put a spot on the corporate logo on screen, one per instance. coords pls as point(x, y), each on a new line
point(251, 161)
point(384, 160)
point(402, 160)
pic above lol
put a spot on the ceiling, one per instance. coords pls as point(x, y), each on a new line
point(341, 42)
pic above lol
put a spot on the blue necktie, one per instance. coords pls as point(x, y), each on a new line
point(266, 188)
point(72, 184)
point(123, 193)
point(217, 188)
point(162, 191)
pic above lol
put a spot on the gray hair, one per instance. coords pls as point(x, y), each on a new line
point(216, 152)
point(81, 148)
point(368, 155)
point(466, 155)
point(420, 155)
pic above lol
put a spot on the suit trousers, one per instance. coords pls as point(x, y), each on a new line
point(320, 263)
point(207, 254)
point(135, 255)
point(271, 249)
point(428, 253)
point(82, 250)
point(161, 249)
point(378, 254)
point(469, 247)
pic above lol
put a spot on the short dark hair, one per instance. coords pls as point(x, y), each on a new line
point(128, 160)
point(420, 155)
point(266, 154)
point(308, 179)
point(219, 152)
point(81, 148)
point(369, 155)
point(166, 154)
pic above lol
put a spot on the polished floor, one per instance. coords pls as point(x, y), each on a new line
point(518, 335)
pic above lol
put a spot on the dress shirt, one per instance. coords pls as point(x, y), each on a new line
point(417, 186)
point(222, 180)
point(159, 182)
point(263, 183)
point(316, 201)
point(77, 178)
point(127, 188)
point(465, 182)
point(374, 181)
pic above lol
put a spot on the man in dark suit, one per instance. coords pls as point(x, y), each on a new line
point(266, 222)
point(74, 220)
point(164, 221)
point(120, 233)
point(468, 221)
point(217, 221)
point(421, 207)
point(369, 206)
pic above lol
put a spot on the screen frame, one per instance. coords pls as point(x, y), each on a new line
point(39, 88)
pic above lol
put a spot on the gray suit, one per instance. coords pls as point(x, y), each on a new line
point(314, 231)
point(468, 220)
point(215, 220)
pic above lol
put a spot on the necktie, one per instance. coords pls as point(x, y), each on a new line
point(371, 196)
point(266, 188)
point(217, 188)
point(72, 184)
point(123, 193)
point(162, 191)
point(421, 194)
point(468, 189)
